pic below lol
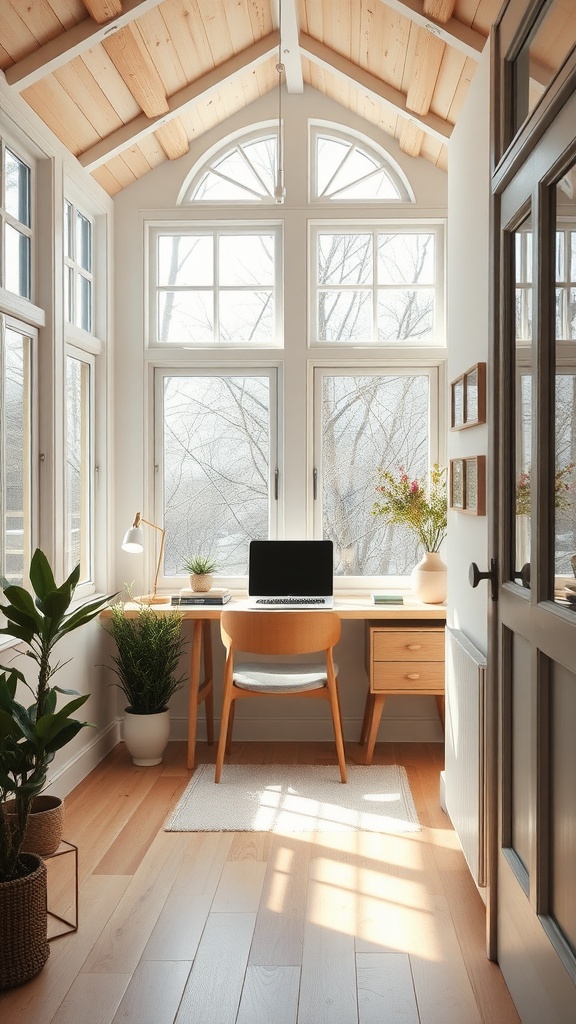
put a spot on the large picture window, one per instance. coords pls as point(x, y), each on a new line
point(218, 438)
point(216, 286)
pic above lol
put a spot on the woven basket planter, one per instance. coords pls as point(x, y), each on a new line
point(201, 583)
point(24, 947)
point(45, 825)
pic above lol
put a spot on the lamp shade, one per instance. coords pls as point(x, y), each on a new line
point(134, 540)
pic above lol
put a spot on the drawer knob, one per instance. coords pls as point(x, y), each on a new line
point(413, 675)
point(413, 647)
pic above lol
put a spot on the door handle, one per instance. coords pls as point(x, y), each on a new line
point(523, 575)
point(474, 575)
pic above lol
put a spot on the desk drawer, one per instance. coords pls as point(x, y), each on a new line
point(408, 676)
point(408, 645)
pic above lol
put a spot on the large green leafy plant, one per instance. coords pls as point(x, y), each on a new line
point(31, 735)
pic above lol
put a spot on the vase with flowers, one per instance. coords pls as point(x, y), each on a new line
point(421, 505)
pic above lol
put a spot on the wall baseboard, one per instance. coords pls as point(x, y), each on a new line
point(71, 774)
point(393, 730)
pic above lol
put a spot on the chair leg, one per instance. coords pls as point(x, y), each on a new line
point(227, 704)
point(230, 726)
point(337, 722)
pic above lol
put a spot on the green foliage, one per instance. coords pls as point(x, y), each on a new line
point(149, 649)
point(30, 736)
point(564, 490)
point(411, 503)
point(200, 565)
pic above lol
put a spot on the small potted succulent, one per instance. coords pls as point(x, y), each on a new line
point(201, 569)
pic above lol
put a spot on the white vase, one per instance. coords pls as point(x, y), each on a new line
point(429, 579)
point(146, 736)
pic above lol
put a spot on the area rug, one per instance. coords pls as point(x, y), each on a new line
point(296, 798)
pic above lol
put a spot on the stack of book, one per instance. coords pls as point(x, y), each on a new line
point(193, 597)
point(388, 597)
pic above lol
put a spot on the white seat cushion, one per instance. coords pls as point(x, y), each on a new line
point(280, 678)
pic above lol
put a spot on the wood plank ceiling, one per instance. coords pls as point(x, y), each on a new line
point(127, 84)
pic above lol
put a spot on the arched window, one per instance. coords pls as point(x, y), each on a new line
point(348, 168)
point(241, 172)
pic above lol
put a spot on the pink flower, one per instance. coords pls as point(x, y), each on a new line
point(414, 487)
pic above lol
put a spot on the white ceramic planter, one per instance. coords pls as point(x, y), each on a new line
point(429, 579)
point(146, 736)
point(201, 584)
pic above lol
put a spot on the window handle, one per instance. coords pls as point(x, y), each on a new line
point(276, 483)
point(314, 483)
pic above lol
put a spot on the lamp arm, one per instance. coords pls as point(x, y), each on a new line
point(161, 553)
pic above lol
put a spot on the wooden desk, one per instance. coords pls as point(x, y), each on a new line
point(346, 605)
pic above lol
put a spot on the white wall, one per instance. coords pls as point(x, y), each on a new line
point(468, 325)
point(405, 718)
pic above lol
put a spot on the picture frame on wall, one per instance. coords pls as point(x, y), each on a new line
point(468, 398)
point(468, 485)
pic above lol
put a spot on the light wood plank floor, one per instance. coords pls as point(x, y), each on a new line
point(252, 928)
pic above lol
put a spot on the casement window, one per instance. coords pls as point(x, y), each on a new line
point(79, 474)
point(215, 285)
point(78, 269)
point(379, 285)
point(566, 282)
point(217, 437)
point(16, 218)
point(17, 432)
point(365, 420)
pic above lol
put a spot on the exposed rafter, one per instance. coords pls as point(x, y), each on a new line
point(131, 133)
point(72, 43)
point(453, 32)
point(290, 46)
point(374, 87)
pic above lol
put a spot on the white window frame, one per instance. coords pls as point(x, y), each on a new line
point(88, 498)
point(247, 368)
point(215, 230)
point(32, 455)
point(425, 226)
point(76, 270)
point(436, 374)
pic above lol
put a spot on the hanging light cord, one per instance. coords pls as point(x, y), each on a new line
point(279, 190)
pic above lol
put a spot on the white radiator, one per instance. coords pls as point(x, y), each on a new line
point(464, 766)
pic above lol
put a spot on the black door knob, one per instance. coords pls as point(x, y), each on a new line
point(474, 575)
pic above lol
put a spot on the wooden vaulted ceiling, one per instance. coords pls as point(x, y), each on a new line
point(127, 84)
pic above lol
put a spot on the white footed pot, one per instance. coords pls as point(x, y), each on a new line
point(429, 579)
point(146, 736)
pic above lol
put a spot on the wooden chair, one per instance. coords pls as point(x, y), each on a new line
point(278, 633)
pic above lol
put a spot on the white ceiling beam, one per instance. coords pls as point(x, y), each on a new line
point(374, 87)
point(290, 49)
point(453, 32)
point(131, 133)
point(70, 44)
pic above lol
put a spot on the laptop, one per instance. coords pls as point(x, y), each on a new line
point(290, 574)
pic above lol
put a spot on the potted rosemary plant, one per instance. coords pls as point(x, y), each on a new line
point(149, 644)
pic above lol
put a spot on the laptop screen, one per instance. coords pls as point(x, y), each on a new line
point(290, 568)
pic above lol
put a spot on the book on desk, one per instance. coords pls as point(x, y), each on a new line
point(190, 598)
point(391, 597)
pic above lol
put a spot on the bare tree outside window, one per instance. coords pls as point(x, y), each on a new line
point(216, 468)
point(370, 421)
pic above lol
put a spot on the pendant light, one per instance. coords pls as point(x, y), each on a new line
point(279, 188)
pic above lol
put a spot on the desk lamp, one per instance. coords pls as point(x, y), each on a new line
point(134, 543)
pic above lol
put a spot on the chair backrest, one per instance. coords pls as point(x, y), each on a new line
point(279, 632)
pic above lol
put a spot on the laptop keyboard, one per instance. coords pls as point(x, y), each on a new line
point(289, 600)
